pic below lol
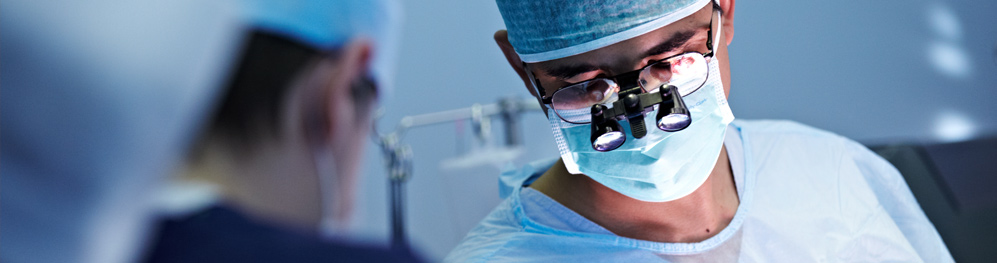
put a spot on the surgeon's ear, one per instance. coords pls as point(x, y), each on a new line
point(728, 15)
point(502, 39)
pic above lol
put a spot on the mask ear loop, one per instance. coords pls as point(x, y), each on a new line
point(330, 227)
point(325, 168)
point(715, 38)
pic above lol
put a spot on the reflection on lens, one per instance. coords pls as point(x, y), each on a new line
point(581, 97)
point(673, 122)
point(595, 95)
point(609, 141)
point(655, 75)
point(683, 63)
point(686, 71)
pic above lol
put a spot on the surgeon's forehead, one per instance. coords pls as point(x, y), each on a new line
point(689, 29)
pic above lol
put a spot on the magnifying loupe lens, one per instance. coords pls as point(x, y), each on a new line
point(609, 141)
point(673, 122)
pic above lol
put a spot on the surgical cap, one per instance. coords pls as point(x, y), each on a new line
point(329, 24)
point(548, 30)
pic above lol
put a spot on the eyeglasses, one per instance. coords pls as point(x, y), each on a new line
point(573, 103)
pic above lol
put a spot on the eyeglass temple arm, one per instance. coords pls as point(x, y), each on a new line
point(541, 95)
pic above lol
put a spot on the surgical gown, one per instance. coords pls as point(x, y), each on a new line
point(806, 195)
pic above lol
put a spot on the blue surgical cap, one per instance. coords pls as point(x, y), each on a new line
point(329, 24)
point(548, 30)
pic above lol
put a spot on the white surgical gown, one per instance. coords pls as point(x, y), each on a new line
point(806, 196)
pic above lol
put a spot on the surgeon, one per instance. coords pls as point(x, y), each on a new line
point(654, 168)
point(283, 149)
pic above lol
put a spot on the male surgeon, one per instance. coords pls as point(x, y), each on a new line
point(653, 167)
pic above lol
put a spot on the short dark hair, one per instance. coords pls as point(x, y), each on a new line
point(250, 105)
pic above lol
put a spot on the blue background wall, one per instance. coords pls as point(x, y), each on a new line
point(875, 71)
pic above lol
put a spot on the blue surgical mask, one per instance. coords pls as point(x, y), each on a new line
point(661, 166)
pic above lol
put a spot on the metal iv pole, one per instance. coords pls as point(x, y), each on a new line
point(398, 156)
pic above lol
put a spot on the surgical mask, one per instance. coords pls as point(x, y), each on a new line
point(661, 166)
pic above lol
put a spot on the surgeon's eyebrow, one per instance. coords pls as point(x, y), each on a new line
point(569, 71)
point(675, 42)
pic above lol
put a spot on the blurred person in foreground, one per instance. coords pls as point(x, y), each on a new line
point(100, 100)
point(653, 166)
point(284, 147)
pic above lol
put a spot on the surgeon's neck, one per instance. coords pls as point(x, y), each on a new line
point(693, 218)
point(268, 182)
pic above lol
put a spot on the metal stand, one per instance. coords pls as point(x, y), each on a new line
point(398, 157)
point(399, 162)
point(398, 239)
